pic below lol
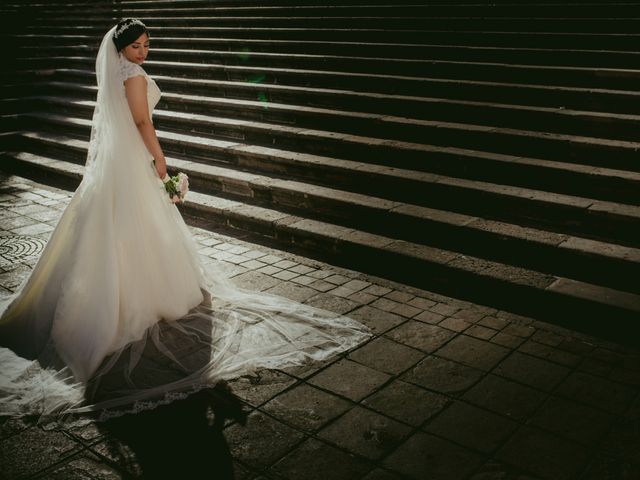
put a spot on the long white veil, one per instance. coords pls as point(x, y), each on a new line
point(120, 314)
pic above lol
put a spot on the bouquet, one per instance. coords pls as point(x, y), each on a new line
point(176, 186)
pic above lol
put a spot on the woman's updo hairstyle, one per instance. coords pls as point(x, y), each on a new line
point(127, 31)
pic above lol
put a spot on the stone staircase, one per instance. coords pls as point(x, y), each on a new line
point(487, 151)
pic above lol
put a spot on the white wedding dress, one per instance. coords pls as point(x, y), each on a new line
point(120, 314)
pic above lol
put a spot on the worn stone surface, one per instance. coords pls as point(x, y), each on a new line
point(471, 426)
point(261, 441)
point(456, 391)
point(350, 379)
point(424, 456)
point(506, 397)
point(442, 375)
point(386, 356)
point(406, 402)
point(473, 352)
point(315, 460)
point(543, 454)
point(306, 407)
point(365, 432)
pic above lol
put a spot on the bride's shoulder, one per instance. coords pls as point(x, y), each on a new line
point(129, 69)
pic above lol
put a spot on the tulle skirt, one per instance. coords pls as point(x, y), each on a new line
point(120, 314)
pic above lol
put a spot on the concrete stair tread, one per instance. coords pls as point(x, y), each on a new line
point(550, 69)
point(561, 111)
point(547, 198)
point(404, 145)
point(344, 236)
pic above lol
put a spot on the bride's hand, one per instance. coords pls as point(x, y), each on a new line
point(176, 199)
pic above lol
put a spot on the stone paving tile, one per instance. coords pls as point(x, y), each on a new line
point(380, 474)
point(455, 324)
point(261, 441)
point(299, 293)
point(507, 340)
point(303, 280)
point(315, 460)
point(422, 336)
point(386, 356)
point(425, 456)
point(421, 303)
point(362, 298)
point(444, 309)
point(306, 407)
point(623, 441)
point(336, 279)
point(471, 426)
point(331, 303)
point(506, 397)
point(597, 392)
point(365, 432)
point(429, 317)
point(399, 296)
point(33, 449)
point(442, 375)
point(269, 270)
point(603, 467)
point(259, 388)
point(532, 371)
point(543, 454)
point(255, 281)
point(376, 290)
point(549, 353)
point(406, 310)
point(478, 331)
point(406, 402)
point(572, 420)
point(81, 466)
point(473, 352)
point(493, 322)
point(377, 320)
point(385, 304)
point(322, 286)
point(350, 379)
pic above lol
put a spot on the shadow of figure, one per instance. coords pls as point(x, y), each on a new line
point(183, 439)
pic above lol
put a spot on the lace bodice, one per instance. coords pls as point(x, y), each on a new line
point(129, 69)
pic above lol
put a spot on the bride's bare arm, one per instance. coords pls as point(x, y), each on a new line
point(136, 90)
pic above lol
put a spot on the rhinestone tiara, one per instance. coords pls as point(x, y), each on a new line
point(129, 23)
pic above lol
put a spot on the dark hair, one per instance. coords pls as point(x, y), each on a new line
point(127, 31)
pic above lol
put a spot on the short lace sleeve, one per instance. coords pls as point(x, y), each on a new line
point(129, 69)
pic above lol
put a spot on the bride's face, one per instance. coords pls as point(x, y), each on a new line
point(137, 51)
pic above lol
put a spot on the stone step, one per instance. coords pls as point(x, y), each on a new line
point(432, 134)
point(599, 220)
point(409, 59)
point(362, 78)
point(461, 10)
point(451, 273)
point(558, 98)
point(585, 40)
point(560, 177)
point(590, 44)
point(605, 24)
point(371, 114)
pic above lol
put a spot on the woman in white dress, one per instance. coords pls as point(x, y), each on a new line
point(119, 314)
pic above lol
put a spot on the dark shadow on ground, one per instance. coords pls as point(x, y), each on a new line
point(181, 440)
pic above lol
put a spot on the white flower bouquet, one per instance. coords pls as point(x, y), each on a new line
point(176, 186)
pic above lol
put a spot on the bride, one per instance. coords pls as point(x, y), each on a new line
point(119, 314)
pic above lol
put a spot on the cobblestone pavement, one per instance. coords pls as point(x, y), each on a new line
point(445, 390)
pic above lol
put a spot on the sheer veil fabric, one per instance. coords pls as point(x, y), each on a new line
point(119, 314)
